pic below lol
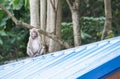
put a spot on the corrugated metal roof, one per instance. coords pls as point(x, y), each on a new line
point(90, 61)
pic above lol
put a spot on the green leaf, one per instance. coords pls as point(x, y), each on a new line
point(1, 57)
point(1, 42)
point(1, 14)
point(27, 4)
point(1, 1)
point(85, 35)
point(22, 46)
point(3, 21)
point(3, 33)
point(17, 4)
point(13, 40)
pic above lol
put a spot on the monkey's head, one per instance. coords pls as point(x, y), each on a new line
point(34, 33)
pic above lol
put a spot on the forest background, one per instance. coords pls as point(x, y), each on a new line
point(13, 39)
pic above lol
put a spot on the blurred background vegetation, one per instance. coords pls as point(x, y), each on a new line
point(13, 40)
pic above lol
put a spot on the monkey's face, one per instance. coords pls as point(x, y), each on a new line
point(33, 34)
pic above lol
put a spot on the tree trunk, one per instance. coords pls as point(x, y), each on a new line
point(43, 17)
point(48, 23)
point(54, 22)
point(76, 27)
point(58, 23)
point(108, 20)
point(74, 8)
point(34, 13)
point(52, 25)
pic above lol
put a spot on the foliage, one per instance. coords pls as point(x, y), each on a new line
point(13, 39)
point(17, 4)
point(3, 15)
point(116, 16)
point(92, 8)
point(66, 12)
point(12, 43)
point(91, 30)
point(93, 27)
point(67, 32)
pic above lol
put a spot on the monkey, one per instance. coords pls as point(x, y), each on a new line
point(34, 46)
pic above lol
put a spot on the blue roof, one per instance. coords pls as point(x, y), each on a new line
point(90, 61)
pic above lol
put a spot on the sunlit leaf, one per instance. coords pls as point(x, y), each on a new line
point(3, 21)
point(1, 42)
point(85, 35)
point(3, 33)
point(1, 57)
point(13, 40)
point(27, 4)
point(17, 4)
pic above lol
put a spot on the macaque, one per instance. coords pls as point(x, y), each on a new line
point(34, 46)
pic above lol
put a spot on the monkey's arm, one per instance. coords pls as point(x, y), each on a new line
point(29, 49)
point(29, 52)
point(42, 50)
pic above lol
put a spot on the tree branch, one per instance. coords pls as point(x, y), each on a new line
point(53, 6)
point(69, 4)
point(23, 24)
